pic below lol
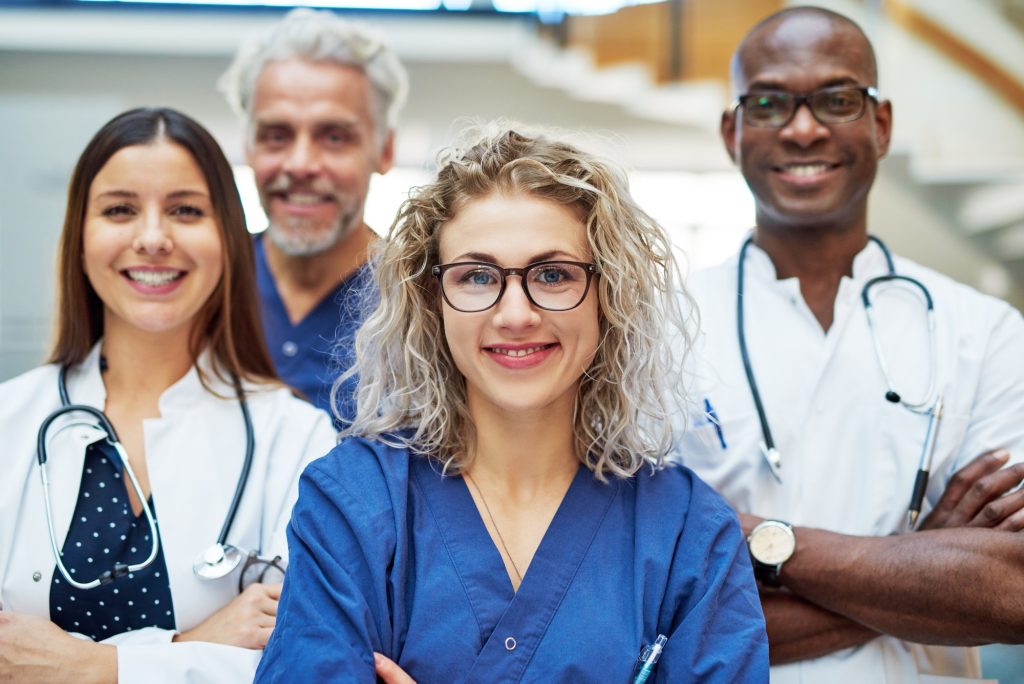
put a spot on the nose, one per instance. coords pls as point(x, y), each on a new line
point(514, 310)
point(803, 129)
point(303, 159)
point(151, 235)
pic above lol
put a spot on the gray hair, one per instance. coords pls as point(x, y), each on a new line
point(320, 36)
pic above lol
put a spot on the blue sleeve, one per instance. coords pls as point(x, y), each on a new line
point(333, 612)
point(719, 635)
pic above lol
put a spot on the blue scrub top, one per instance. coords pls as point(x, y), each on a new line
point(387, 555)
point(312, 353)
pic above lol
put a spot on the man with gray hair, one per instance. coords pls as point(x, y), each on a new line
point(320, 96)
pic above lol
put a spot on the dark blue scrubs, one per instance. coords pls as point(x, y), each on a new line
point(387, 555)
point(311, 354)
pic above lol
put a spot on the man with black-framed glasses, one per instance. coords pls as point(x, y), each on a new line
point(843, 391)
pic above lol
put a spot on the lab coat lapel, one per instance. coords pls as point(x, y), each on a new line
point(511, 645)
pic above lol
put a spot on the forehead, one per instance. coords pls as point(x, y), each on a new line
point(513, 229)
point(160, 167)
point(299, 91)
point(803, 52)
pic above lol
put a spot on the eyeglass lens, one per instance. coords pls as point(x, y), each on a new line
point(828, 105)
point(553, 285)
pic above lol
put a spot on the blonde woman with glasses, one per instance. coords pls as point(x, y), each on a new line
point(500, 509)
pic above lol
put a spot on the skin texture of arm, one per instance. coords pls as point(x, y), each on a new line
point(33, 650)
point(800, 627)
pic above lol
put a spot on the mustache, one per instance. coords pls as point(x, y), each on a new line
point(283, 183)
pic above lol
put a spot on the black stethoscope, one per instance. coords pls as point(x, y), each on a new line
point(930, 404)
point(215, 562)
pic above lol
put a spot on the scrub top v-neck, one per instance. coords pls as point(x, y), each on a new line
point(388, 555)
point(310, 354)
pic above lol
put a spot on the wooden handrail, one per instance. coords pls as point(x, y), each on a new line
point(960, 51)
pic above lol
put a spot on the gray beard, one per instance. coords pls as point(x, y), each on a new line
point(296, 242)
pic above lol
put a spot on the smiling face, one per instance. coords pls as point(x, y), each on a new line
point(515, 356)
point(808, 174)
point(152, 247)
point(313, 149)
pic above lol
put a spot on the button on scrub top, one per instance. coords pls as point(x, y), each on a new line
point(104, 531)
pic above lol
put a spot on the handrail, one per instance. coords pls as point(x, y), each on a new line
point(960, 51)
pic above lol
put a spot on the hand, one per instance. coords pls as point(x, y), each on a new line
point(36, 651)
point(979, 495)
point(389, 671)
point(247, 621)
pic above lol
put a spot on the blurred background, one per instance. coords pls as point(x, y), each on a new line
point(644, 81)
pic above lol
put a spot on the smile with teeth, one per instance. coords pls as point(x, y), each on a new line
point(304, 199)
point(517, 353)
point(153, 278)
point(805, 169)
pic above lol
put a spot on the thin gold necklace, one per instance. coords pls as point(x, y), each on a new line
point(501, 540)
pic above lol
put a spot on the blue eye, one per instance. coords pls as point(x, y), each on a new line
point(478, 277)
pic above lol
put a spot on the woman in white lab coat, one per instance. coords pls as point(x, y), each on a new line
point(158, 327)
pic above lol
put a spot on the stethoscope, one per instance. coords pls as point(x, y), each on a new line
point(930, 404)
point(215, 562)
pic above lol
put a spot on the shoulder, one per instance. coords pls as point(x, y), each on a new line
point(963, 298)
point(360, 473)
point(675, 491)
point(38, 384)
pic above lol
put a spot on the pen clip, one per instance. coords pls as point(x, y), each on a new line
point(774, 460)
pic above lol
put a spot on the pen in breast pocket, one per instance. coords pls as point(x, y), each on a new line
point(648, 658)
point(712, 416)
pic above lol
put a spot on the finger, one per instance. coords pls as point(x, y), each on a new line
point(984, 502)
point(274, 590)
point(389, 671)
point(1013, 523)
point(264, 636)
point(968, 476)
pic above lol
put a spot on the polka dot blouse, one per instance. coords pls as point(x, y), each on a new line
point(104, 531)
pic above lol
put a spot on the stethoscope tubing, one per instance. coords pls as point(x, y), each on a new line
point(928, 406)
point(121, 569)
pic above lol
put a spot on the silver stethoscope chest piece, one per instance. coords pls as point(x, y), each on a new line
point(217, 561)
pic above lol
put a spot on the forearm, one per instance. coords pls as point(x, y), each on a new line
point(955, 586)
point(800, 630)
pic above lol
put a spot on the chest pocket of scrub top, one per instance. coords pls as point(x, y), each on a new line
point(902, 436)
point(720, 445)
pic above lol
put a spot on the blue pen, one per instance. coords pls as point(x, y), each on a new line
point(709, 410)
point(648, 658)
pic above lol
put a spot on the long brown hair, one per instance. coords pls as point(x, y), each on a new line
point(229, 321)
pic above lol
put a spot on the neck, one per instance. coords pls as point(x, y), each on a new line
point(141, 365)
point(818, 258)
point(524, 455)
point(303, 281)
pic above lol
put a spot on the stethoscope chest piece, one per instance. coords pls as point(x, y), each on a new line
point(217, 561)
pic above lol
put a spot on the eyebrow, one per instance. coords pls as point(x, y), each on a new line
point(491, 259)
point(128, 194)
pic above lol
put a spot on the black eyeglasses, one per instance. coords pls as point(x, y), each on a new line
point(775, 108)
point(262, 570)
point(472, 286)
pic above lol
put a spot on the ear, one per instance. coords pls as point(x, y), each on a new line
point(883, 127)
point(727, 129)
point(387, 154)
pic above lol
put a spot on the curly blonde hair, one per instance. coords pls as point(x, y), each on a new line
point(410, 392)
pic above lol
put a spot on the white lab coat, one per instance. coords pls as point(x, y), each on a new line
point(849, 457)
point(194, 454)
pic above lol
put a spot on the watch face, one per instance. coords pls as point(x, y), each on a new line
point(772, 544)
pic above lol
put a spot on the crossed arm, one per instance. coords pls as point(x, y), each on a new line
point(953, 582)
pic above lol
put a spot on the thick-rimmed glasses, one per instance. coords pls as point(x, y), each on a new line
point(262, 570)
point(472, 286)
point(775, 108)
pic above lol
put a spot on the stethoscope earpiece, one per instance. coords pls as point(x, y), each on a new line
point(892, 397)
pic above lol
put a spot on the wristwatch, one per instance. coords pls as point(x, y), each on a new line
point(771, 544)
